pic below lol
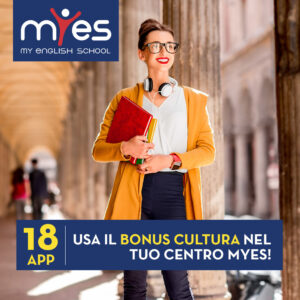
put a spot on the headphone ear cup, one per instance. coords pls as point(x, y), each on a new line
point(148, 84)
point(165, 89)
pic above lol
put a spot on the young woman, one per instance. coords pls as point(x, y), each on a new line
point(20, 191)
point(167, 185)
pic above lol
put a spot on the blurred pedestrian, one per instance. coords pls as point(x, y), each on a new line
point(38, 184)
point(20, 191)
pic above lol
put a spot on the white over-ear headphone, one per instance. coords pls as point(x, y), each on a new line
point(165, 89)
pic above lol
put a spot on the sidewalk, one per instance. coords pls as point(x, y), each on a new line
point(50, 285)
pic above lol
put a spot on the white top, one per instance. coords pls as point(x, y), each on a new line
point(171, 130)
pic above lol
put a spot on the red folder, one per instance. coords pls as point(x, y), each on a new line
point(129, 120)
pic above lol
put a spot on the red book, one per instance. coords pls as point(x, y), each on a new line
point(129, 120)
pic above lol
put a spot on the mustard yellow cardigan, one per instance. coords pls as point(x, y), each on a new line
point(126, 196)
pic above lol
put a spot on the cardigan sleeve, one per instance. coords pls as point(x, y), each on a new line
point(103, 151)
point(204, 152)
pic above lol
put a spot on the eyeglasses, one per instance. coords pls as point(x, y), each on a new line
point(156, 47)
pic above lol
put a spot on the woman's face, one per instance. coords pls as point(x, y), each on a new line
point(161, 61)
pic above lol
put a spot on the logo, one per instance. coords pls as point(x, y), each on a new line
point(66, 33)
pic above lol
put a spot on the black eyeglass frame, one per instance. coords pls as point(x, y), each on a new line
point(161, 45)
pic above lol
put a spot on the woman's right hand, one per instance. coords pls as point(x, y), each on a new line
point(137, 147)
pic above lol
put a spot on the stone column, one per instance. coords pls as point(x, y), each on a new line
point(229, 155)
point(228, 176)
point(89, 103)
point(242, 174)
point(262, 204)
point(76, 167)
point(287, 41)
point(74, 153)
point(133, 13)
point(100, 168)
point(3, 175)
point(64, 166)
point(196, 28)
point(81, 132)
point(68, 158)
point(1, 178)
point(84, 139)
point(114, 84)
point(8, 163)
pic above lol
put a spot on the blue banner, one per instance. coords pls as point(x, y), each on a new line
point(149, 245)
point(68, 30)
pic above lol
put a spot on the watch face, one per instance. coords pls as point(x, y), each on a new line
point(176, 165)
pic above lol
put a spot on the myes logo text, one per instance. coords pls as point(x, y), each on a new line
point(81, 29)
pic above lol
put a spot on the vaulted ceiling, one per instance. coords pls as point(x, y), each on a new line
point(33, 95)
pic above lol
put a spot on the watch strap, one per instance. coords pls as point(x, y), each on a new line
point(176, 161)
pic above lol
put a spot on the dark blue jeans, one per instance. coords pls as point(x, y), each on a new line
point(163, 199)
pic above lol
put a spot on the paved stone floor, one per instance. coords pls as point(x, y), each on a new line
point(58, 285)
point(49, 285)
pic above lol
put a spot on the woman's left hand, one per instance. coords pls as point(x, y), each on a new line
point(155, 163)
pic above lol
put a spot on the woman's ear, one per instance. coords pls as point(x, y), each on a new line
point(141, 55)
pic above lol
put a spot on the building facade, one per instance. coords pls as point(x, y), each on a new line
point(249, 107)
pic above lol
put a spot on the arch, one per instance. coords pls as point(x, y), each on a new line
point(33, 97)
point(46, 161)
point(38, 149)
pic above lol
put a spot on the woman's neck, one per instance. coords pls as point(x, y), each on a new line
point(158, 78)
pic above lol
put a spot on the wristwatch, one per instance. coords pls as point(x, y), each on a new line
point(176, 164)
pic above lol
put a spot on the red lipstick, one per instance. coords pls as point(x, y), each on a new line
point(162, 60)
